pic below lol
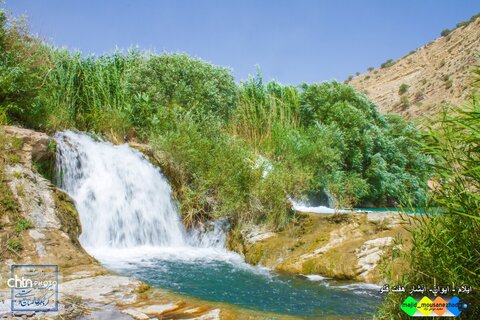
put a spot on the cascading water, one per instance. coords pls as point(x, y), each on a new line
point(130, 223)
point(123, 200)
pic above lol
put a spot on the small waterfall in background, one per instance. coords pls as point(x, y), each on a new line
point(122, 199)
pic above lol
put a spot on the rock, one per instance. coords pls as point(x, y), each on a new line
point(211, 315)
point(40, 249)
point(34, 194)
point(336, 238)
point(104, 289)
point(161, 308)
point(36, 235)
point(370, 253)
point(35, 143)
point(135, 314)
point(256, 234)
point(24, 314)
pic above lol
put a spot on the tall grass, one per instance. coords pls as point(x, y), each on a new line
point(445, 244)
point(261, 108)
point(86, 93)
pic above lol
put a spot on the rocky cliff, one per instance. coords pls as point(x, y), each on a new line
point(437, 73)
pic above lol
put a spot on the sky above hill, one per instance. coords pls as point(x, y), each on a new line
point(292, 41)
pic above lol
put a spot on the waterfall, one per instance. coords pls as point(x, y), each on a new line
point(122, 199)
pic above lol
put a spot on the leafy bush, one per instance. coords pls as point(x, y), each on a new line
point(445, 32)
point(387, 64)
point(177, 79)
point(402, 89)
point(23, 62)
point(368, 144)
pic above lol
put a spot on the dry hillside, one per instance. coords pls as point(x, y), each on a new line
point(416, 85)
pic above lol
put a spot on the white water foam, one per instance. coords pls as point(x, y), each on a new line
point(315, 277)
point(304, 207)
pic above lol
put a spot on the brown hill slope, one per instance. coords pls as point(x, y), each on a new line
point(437, 73)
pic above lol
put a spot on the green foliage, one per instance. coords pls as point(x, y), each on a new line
point(202, 149)
point(22, 224)
point(178, 80)
point(261, 108)
point(387, 64)
point(370, 146)
point(474, 17)
point(445, 32)
point(22, 64)
point(270, 142)
point(402, 89)
point(15, 245)
point(370, 68)
point(453, 229)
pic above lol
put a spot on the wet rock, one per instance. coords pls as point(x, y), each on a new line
point(211, 315)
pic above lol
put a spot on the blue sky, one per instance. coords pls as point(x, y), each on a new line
point(292, 41)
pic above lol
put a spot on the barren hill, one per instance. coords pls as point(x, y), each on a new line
point(437, 73)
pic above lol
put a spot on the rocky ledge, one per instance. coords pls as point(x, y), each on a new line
point(347, 246)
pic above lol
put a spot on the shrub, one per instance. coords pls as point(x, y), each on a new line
point(474, 17)
point(404, 102)
point(178, 80)
point(445, 32)
point(403, 89)
point(387, 64)
point(370, 68)
point(15, 245)
point(22, 224)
